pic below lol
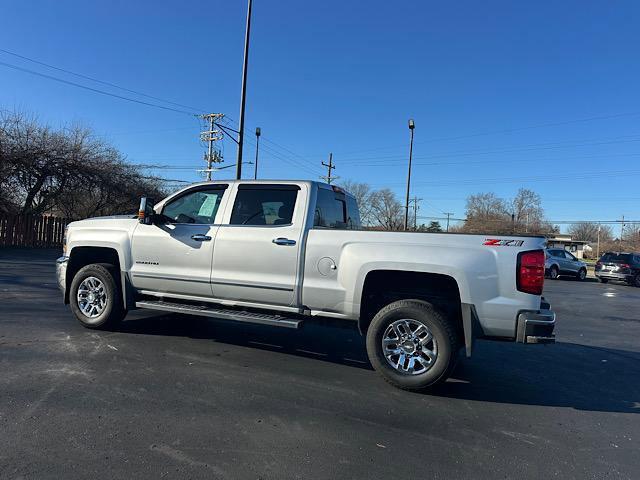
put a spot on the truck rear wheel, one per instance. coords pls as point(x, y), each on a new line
point(412, 345)
point(95, 297)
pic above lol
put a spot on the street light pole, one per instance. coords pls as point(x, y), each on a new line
point(244, 92)
point(255, 174)
point(406, 205)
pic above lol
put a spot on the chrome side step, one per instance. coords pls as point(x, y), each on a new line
point(225, 314)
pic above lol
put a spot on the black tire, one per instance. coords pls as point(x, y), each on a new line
point(444, 334)
point(554, 273)
point(113, 311)
point(582, 274)
point(636, 281)
point(603, 280)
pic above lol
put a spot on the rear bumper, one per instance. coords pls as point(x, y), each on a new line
point(61, 273)
point(623, 277)
point(536, 326)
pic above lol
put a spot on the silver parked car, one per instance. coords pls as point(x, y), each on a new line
point(560, 262)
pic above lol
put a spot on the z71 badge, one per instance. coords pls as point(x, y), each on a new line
point(497, 242)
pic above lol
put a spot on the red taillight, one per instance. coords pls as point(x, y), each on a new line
point(624, 265)
point(530, 273)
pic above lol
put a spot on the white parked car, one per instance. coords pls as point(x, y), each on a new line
point(283, 252)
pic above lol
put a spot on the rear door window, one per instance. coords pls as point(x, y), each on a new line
point(331, 210)
point(353, 214)
point(264, 205)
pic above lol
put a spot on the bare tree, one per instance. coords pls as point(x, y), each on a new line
point(486, 212)
point(363, 195)
point(588, 231)
point(486, 206)
point(66, 171)
point(527, 210)
point(631, 237)
point(386, 210)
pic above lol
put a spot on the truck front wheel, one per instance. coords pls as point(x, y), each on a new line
point(95, 297)
point(412, 345)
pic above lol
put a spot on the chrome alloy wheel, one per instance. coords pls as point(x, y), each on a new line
point(409, 346)
point(92, 298)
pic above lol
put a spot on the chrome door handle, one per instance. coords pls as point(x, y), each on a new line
point(283, 241)
point(201, 238)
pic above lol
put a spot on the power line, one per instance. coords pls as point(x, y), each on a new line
point(385, 160)
point(508, 130)
point(271, 150)
point(283, 150)
point(475, 181)
point(171, 180)
point(278, 155)
point(141, 132)
point(280, 152)
point(97, 80)
point(303, 159)
point(95, 90)
point(557, 222)
point(536, 160)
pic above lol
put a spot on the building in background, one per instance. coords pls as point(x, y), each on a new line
point(577, 247)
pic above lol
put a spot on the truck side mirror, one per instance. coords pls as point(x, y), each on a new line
point(146, 212)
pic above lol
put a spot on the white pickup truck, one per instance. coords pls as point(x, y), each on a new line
point(283, 252)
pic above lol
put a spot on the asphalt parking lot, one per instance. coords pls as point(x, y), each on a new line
point(184, 397)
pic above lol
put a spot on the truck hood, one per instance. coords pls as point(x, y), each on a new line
point(113, 222)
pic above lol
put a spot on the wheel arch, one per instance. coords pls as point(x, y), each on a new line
point(81, 256)
point(384, 286)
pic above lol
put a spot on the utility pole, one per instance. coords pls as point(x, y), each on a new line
point(412, 125)
point(415, 201)
point(255, 174)
point(598, 244)
point(243, 93)
point(621, 232)
point(448, 214)
point(211, 136)
point(330, 166)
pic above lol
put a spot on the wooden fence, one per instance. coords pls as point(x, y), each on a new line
point(31, 231)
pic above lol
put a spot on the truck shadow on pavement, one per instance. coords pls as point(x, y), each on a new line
point(330, 342)
point(561, 375)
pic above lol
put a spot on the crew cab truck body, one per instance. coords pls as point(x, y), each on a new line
point(282, 252)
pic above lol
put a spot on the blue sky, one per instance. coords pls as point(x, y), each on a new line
point(542, 95)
